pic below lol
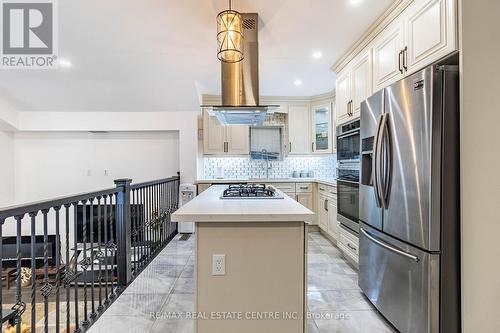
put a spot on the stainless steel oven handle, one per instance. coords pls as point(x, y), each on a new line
point(348, 134)
point(347, 181)
point(375, 176)
point(388, 247)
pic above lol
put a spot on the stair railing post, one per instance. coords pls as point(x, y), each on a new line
point(123, 232)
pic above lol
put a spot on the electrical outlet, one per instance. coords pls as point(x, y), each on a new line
point(219, 264)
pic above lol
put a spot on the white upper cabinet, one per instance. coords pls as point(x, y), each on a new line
point(224, 140)
point(430, 32)
point(238, 139)
point(418, 36)
point(298, 130)
point(387, 55)
point(321, 120)
point(214, 135)
point(343, 96)
point(354, 85)
point(361, 81)
point(309, 122)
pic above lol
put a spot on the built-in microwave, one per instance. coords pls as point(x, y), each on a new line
point(348, 142)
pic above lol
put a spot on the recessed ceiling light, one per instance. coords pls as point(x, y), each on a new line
point(297, 82)
point(317, 55)
point(65, 63)
point(355, 2)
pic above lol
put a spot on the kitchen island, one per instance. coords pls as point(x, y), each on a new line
point(260, 284)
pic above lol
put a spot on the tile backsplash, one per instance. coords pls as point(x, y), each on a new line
point(244, 167)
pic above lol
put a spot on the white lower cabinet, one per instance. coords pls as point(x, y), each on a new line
point(333, 230)
point(327, 210)
point(349, 244)
point(306, 199)
point(322, 213)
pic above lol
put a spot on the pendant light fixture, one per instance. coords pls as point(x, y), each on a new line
point(229, 36)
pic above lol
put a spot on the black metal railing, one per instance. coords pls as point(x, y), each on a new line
point(68, 258)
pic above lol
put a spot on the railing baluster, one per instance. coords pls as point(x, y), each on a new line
point(58, 269)
point(33, 271)
point(169, 209)
point(20, 306)
point(48, 288)
point(134, 228)
point(84, 263)
point(66, 270)
point(93, 314)
point(113, 244)
point(162, 208)
point(75, 256)
point(2, 221)
point(99, 252)
point(106, 225)
point(143, 228)
point(157, 217)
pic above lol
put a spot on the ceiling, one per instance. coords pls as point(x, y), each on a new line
point(159, 55)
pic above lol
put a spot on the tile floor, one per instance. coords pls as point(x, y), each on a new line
point(166, 286)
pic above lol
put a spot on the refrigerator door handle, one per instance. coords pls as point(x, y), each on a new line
point(378, 162)
point(388, 247)
point(376, 188)
point(387, 155)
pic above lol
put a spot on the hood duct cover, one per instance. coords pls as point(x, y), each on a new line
point(240, 82)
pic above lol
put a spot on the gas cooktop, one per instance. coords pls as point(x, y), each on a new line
point(250, 191)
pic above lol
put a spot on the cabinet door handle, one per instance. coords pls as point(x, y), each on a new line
point(352, 247)
point(303, 187)
point(326, 204)
point(312, 146)
point(399, 61)
point(405, 58)
point(290, 146)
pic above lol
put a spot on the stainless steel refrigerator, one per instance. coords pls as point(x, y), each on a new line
point(409, 244)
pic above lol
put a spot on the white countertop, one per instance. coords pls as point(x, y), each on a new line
point(326, 181)
point(208, 207)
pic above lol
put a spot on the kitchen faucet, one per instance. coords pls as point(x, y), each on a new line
point(264, 153)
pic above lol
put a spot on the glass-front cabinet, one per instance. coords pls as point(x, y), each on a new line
point(322, 129)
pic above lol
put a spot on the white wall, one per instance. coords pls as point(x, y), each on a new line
point(480, 45)
point(6, 168)
point(8, 114)
point(51, 164)
point(183, 122)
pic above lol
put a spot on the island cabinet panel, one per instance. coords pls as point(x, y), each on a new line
point(265, 272)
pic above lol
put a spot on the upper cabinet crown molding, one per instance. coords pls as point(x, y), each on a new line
point(389, 15)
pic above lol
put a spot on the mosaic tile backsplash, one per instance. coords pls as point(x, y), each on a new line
point(243, 167)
